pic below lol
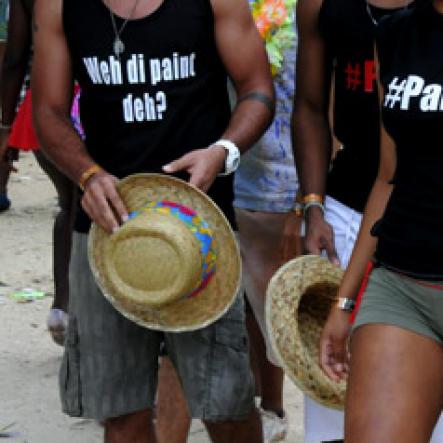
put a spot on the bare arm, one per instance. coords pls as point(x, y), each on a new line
point(365, 245)
point(243, 54)
point(310, 126)
point(311, 133)
point(52, 97)
point(333, 353)
point(52, 86)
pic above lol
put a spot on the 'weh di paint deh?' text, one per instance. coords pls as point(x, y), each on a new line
point(138, 70)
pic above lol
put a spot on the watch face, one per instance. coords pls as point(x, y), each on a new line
point(235, 161)
point(346, 304)
point(232, 160)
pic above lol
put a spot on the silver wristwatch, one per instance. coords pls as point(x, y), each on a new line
point(346, 304)
point(232, 161)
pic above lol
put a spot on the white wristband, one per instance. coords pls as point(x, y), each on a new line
point(232, 158)
point(227, 144)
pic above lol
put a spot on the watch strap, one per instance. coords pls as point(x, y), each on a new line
point(232, 149)
point(346, 304)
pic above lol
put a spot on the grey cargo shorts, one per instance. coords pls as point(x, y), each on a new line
point(110, 364)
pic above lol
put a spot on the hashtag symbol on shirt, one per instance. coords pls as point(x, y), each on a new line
point(353, 76)
point(395, 91)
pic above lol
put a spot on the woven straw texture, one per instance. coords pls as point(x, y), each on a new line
point(185, 314)
point(298, 301)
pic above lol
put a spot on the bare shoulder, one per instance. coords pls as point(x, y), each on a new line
point(312, 6)
point(308, 12)
point(231, 8)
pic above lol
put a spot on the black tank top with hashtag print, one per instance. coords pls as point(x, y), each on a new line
point(163, 97)
point(410, 234)
point(350, 36)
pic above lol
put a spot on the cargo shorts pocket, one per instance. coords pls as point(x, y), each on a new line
point(232, 334)
point(230, 382)
point(230, 330)
point(69, 378)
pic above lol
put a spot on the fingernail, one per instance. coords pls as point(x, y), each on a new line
point(167, 168)
point(125, 218)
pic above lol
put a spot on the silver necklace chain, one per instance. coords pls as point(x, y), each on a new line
point(118, 45)
point(371, 16)
point(368, 10)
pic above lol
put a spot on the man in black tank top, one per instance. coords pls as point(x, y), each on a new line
point(153, 75)
point(336, 47)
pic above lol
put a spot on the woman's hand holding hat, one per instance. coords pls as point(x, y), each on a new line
point(334, 355)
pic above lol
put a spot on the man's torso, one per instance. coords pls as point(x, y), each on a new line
point(164, 96)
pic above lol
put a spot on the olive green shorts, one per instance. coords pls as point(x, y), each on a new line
point(393, 299)
point(110, 364)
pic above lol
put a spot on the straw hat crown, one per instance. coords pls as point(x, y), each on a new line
point(155, 259)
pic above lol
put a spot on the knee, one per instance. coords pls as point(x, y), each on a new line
point(246, 430)
point(130, 427)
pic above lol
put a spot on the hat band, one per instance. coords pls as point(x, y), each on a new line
point(199, 228)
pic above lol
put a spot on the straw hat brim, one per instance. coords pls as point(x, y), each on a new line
point(298, 301)
point(186, 314)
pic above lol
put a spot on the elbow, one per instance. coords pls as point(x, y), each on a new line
point(258, 84)
point(44, 116)
point(39, 115)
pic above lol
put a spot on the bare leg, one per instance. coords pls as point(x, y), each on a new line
point(131, 428)
point(5, 172)
point(245, 431)
point(4, 177)
point(173, 421)
point(260, 238)
point(62, 233)
point(62, 236)
point(395, 391)
point(255, 336)
point(269, 378)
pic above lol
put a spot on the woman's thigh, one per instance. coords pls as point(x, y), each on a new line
point(395, 388)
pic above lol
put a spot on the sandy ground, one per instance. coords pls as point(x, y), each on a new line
point(29, 360)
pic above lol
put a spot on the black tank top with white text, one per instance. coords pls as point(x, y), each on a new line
point(410, 233)
point(165, 96)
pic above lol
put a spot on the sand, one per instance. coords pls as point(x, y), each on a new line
point(29, 360)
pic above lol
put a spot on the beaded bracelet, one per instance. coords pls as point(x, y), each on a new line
point(298, 209)
point(87, 175)
point(310, 198)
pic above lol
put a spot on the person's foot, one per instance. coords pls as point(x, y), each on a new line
point(57, 324)
point(5, 203)
point(275, 428)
